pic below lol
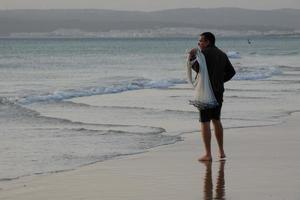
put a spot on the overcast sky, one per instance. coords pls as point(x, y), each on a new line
point(146, 5)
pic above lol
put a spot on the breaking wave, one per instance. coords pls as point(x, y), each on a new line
point(136, 84)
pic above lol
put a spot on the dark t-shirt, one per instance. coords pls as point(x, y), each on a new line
point(219, 69)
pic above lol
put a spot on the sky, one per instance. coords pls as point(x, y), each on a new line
point(146, 5)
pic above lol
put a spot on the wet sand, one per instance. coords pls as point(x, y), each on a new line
point(262, 163)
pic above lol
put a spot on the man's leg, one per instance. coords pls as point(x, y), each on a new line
point(206, 136)
point(219, 136)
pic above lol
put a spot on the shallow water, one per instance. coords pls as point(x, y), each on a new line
point(143, 98)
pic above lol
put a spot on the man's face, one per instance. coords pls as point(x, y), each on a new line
point(203, 43)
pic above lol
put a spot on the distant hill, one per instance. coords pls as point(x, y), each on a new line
point(96, 22)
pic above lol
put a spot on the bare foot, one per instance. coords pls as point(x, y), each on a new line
point(222, 156)
point(205, 158)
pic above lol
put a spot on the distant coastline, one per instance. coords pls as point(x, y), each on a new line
point(185, 22)
point(149, 33)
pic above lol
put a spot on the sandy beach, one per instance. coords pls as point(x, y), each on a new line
point(96, 126)
point(263, 163)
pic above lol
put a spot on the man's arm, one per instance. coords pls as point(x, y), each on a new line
point(229, 71)
point(192, 60)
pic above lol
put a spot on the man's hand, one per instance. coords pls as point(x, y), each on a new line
point(192, 54)
point(192, 57)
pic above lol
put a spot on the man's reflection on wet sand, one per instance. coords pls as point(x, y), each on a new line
point(208, 182)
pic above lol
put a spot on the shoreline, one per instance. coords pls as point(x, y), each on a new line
point(96, 100)
point(104, 127)
point(162, 170)
point(8, 180)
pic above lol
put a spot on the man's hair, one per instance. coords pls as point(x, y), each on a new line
point(209, 36)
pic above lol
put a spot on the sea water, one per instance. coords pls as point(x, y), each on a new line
point(40, 78)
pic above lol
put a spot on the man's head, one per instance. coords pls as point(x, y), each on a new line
point(206, 39)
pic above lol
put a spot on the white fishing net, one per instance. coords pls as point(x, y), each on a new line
point(204, 97)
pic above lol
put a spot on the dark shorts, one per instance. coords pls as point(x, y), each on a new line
point(209, 114)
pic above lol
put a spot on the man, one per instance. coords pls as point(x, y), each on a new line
point(220, 70)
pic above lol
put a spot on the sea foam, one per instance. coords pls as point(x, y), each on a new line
point(136, 84)
point(256, 73)
point(233, 54)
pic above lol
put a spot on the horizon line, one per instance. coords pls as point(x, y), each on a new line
point(168, 9)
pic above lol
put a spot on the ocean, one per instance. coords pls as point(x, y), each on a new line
point(48, 123)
